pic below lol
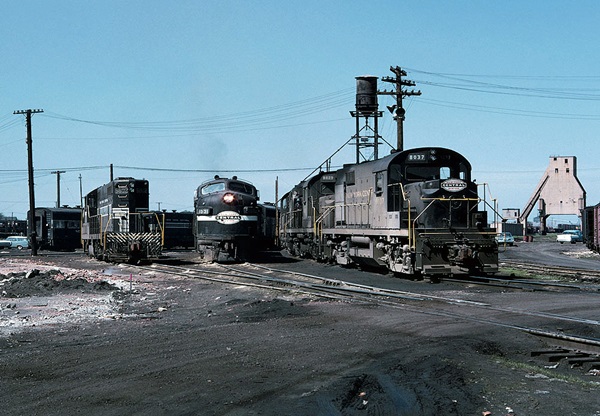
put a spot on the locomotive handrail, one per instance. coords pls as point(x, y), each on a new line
point(411, 238)
point(451, 199)
point(161, 227)
point(104, 232)
point(444, 199)
point(319, 221)
point(315, 224)
point(412, 233)
point(327, 211)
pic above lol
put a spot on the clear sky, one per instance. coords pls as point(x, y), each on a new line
point(176, 91)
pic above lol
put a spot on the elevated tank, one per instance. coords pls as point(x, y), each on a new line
point(366, 94)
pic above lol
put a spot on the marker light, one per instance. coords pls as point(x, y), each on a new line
point(228, 198)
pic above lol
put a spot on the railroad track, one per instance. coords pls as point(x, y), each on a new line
point(526, 284)
point(589, 275)
point(447, 307)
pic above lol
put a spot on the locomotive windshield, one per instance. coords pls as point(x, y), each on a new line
point(427, 173)
point(213, 187)
point(241, 187)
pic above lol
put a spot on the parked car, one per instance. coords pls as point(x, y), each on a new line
point(15, 241)
point(505, 238)
point(570, 236)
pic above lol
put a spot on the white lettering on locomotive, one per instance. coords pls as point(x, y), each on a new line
point(453, 185)
point(228, 217)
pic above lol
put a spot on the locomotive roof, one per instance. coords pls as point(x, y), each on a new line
point(383, 163)
point(217, 179)
point(61, 209)
point(314, 178)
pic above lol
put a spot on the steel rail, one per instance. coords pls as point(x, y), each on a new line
point(340, 290)
point(555, 270)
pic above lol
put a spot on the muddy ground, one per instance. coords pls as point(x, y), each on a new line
point(82, 337)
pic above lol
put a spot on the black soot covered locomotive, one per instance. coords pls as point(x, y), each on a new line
point(414, 212)
point(230, 223)
point(117, 225)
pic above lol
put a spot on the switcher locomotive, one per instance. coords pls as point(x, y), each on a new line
point(230, 224)
point(414, 212)
point(117, 224)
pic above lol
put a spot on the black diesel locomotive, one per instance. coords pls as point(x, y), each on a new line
point(58, 228)
point(413, 212)
point(230, 223)
point(117, 225)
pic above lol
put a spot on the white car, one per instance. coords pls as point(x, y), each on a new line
point(570, 236)
point(15, 241)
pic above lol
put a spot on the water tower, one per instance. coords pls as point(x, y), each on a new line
point(366, 136)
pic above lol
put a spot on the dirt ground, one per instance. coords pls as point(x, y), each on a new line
point(82, 337)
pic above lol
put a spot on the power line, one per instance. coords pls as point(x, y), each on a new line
point(510, 111)
point(585, 78)
point(241, 120)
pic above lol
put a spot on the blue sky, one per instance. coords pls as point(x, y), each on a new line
point(175, 92)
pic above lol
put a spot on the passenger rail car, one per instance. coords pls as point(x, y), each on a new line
point(414, 212)
point(58, 228)
point(117, 224)
point(230, 224)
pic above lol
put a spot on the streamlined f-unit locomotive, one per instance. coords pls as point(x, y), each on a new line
point(413, 212)
point(117, 225)
point(230, 224)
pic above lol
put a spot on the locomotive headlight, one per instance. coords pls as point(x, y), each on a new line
point(228, 198)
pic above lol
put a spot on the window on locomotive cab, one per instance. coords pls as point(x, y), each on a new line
point(379, 183)
point(444, 172)
point(350, 178)
point(422, 173)
point(213, 187)
point(241, 187)
point(327, 188)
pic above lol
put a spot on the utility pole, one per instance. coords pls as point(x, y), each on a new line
point(31, 223)
point(80, 192)
point(57, 172)
point(397, 110)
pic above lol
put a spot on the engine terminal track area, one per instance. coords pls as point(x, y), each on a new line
point(171, 344)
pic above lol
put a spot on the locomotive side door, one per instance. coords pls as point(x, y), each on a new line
point(383, 217)
point(379, 204)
